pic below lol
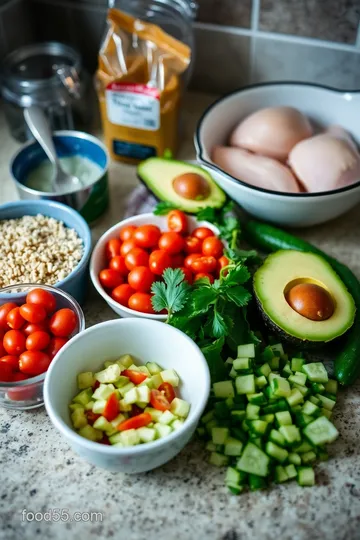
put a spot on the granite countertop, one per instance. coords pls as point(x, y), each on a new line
point(186, 498)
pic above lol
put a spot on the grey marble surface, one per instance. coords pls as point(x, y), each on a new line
point(186, 498)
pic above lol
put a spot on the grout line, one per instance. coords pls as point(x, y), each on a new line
point(288, 38)
point(357, 42)
point(255, 15)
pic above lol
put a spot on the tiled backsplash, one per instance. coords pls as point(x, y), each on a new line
point(237, 41)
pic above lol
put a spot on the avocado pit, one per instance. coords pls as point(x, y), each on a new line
point(311, 301)
point(191, 186)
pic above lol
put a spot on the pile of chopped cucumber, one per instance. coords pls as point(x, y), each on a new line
point(107, 399)
point(270, 420)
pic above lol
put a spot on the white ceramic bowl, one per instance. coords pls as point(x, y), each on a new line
point(98, 258)
point(147, 341)
point(324, 106)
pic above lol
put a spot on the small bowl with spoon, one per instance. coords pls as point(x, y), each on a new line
point(65, 166)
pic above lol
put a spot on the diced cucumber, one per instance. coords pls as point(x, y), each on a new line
point(297, 364)
point(167, 417)
point(147, 382)
point(134, 367)
point(115, 439)
point(83, 397)
point(315, 400)
point(170, 376)
point(303, 447)
point(132, 396)
point(286, 371)
point(109, 374)
point(257, 399)
point(260, 382)
point(155, 414)
point(122, 381)
point(298, 378)
point(200, 431)
point(327, 403)
point(258, 426)
point(267, 354)
point(229, 361)
point(208, 416)
point(321, 431)
point(331, 386)
point(280, 474)
point(233, 373)
point(245, 384)
point(252, 411)
point(109, 363)
point(91, 433)
point(290, 433)
point(326, 412)
point(102, 424)
point(78, 418)
point(276, 437)
point(257, 441)
point(237, 416)
point(222, 410)
point(276, 452)
point(124, 407)
point(280, 387)
point(210, 425)
point(310, 409)
point(99, 406)
point(269, 418)
point(144, 370)
point(118, 420)
point(294, 458)
point(85, 380)
point(243, 365)
point(233, 447)
point(180, 407)
point(303, 419)
point(89, 405)
point(319, 388)
point(232, 480)
point(253, 461)
point(246, 351)
point(302, 389)
point(146, 434)
point(130, 437)
point(74, 406)
point(143, 393)
point(153, 368)
point(278, 349)
point(156, 380)
point(124, 389)
point(308, 457)
point(177, 424)
point(283, 418)
point(264, 370)
point(210, 446)
point(104, 391)
point(223, 389)
point(316, 372)
point(274, 363)
point(295, 397)
point(306, 476)
point(291, 471)
point(126, 360)
point(256, 482)
point(219, 435)
point(219, 460)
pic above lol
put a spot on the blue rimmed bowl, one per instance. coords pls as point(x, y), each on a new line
point(90, 200)
point(76, 282)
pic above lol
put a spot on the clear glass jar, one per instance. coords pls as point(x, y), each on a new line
point(174, 16)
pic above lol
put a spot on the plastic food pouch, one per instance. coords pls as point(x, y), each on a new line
point(139, 88)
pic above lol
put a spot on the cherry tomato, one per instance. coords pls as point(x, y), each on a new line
point(4, 310)
point(37, 341)
point(14, 319)
point(202, 233)
point(43, 297)
point(171, 242)
point(63, 322)
point(18, 376)
point(135, 410)
point(159, 260)
point(136, 257)
point(30, 328)
point(190, 259)
point(110, 278)
point(135, 377)
point(204, 264)
point(168, 390)
point(111, 409)
point(33, 313)
point(12, 360)
point(34, 362)
point(91, 416)
point(159, 401)
point(212, 247)
point(112, 248)
point(147, 236)
point(56, 343)
point(193, 244)
point(122, 294)
point(118, 264)
point(177, 221)
point(222, 263)
point(177, 260)
point(2, 348)
point(127, 232)
point(141, 278)
point(14, 342)
point(135, 422)
point(127, 246)
point(202, 275)
point(22, 393)
point(141, 302)
point(188, 274)
point(6, 373)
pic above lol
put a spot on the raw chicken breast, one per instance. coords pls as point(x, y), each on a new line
point(325, 162)
point(272, 132)
point(256, 170)
point(341, 133)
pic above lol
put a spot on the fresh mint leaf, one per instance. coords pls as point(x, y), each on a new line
point(202, 298)
point(220, 327)
point(164, 207)
point(239, 295)
point(212, 353)
point(173, 293)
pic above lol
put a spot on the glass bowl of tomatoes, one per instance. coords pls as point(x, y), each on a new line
point(134, 253)
point(35, 322)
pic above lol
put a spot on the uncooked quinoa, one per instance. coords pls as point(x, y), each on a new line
point(37, 249)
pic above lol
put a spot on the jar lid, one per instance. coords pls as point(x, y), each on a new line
point(30, 73)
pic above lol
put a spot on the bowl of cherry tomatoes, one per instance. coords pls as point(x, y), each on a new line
point(134, 253)
point(36, 321)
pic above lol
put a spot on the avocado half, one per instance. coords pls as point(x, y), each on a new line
point(286, 268)
point(158, 175)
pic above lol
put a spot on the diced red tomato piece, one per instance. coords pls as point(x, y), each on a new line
point(135, 422)
point(135, 377)
point(159, 401)
point(111, 409)
point(168, 391)
point(95, 385)
point(91, 416)
point(105, 440)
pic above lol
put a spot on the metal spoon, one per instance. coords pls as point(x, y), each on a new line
point(38, 124)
